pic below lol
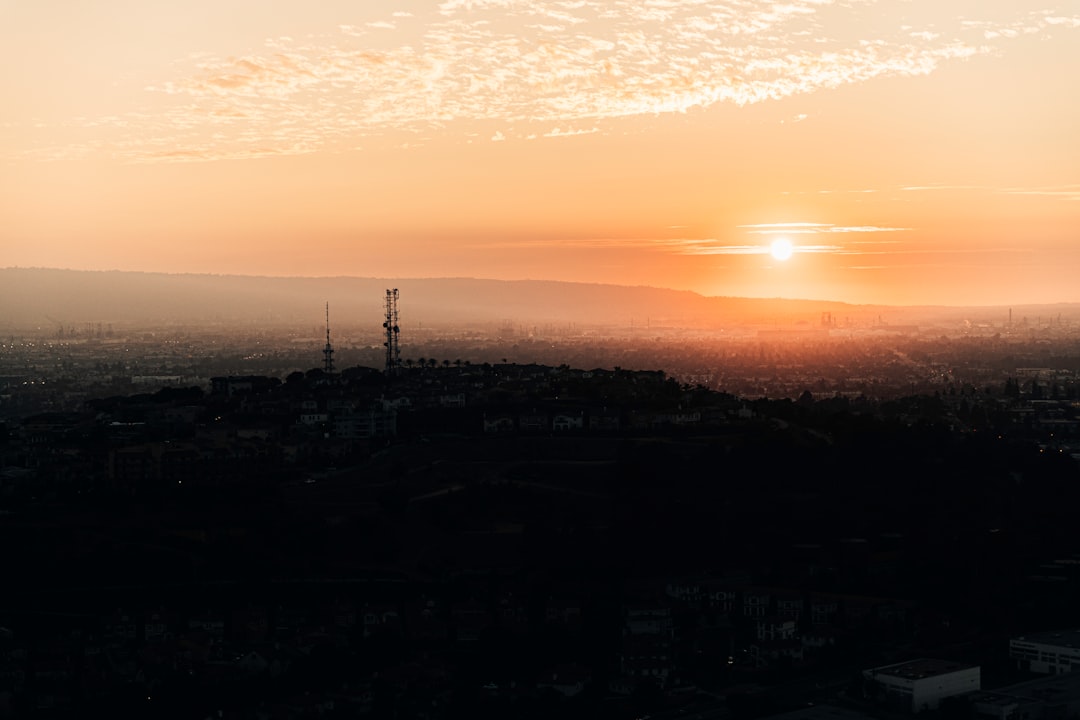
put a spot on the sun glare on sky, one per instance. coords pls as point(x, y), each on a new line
point(781, 249)
point(910, 151)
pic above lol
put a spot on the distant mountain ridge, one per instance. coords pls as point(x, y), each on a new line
point(40, 297)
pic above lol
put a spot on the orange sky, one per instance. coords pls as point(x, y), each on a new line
point(913, 151)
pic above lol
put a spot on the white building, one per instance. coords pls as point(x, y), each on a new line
point(1051, 653)
point(919, 685)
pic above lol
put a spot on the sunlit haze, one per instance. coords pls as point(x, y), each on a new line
point(909, 151)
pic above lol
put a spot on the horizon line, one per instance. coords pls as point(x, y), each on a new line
point(537, 281)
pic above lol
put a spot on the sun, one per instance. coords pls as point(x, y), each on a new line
point(781, 249)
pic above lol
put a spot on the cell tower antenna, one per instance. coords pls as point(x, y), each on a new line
point(328, 351)
point(393, 351)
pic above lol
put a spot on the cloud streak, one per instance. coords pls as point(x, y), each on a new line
point(1069, 191)
point(804, 228)
point(526, 66)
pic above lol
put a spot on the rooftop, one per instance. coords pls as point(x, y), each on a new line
point(1063, 688)
point(922, 668)
point(1062, 638)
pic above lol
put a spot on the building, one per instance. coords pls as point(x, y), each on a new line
point(1050, 653)
point(1057, 696)
point(563, 422)
point(919, 685)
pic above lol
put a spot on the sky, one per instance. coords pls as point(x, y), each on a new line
point(904, 152)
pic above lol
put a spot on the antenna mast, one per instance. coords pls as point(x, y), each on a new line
point(393, 352)
point(328, 351)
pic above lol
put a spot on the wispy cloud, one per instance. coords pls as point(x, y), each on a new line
point(559, 132)
point(1069, 191)
point(863, 229)
point(788, 225)
point(527, 65)
point(934, 188)
point(711, 248)
point(803, 228)
point(850, 243)
point(676, 246)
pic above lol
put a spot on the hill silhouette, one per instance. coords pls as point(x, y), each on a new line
point(42, 297)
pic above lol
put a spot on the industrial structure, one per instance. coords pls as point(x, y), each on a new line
point(328, 351)
point(920, 685)
point(1053, 696)
point(393, 352)
point(1047, 653)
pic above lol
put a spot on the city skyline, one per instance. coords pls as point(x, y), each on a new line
point(905, 152)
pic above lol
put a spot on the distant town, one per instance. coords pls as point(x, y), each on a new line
point(810, 521)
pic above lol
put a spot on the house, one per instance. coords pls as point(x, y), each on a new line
point(647, 657)
point(756, 603)
point(377, 420)
point(533, 422)
point(775, 628)
point(563, 422)
point(119, 628)
point(766, 653)
point(498, 423)
point(212, 623)
point(562, 611)
point(824, 609)
point(157, 626)
point(604, 420)
point(425, 620)
point(471, 619)
point(649, 620)
point(238, 385)
point(789, 605)
point(452, 400)
point(567, 680)
point(662, 420)
point(820, 637)
point(380, 619)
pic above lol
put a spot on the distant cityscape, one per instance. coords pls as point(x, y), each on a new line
point(58, 367)
point(813, 521)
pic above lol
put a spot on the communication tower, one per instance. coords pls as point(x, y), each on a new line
point(393, 352)
point(328, 351)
